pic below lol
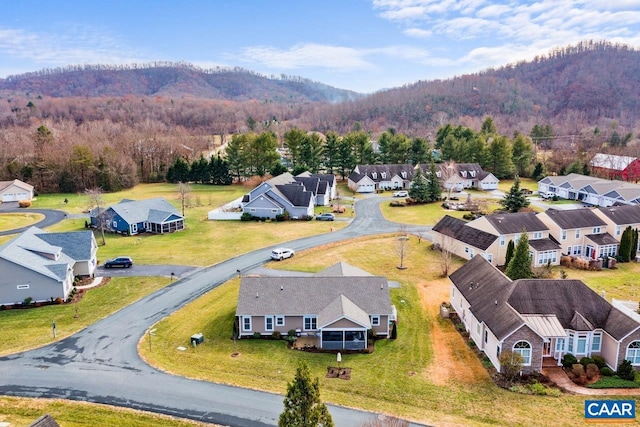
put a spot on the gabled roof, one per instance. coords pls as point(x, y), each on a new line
point(574, 218)
point(310, 183)
point(29, 251)
point(541, 245)
point(503, 305)
point(343, 308)
point(622, 215)
point(297, 296)
point(513, 223)
point(296, 194)
point(17, 183)
point(45, 421)
point(602, 239)
point(78, 244)
point(137, 211)
point(374, 172)
point(342, 269)
point(458, 229)
point(611, 161)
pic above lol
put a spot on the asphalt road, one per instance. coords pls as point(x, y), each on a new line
point(50, 217)
point(101, 363)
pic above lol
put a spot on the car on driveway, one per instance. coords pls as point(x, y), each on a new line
point(326, 217)
point(401, 193)
point(279, 254)
point(121, 261)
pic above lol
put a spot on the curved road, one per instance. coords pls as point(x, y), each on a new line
point(101, 363)
point(51, 217)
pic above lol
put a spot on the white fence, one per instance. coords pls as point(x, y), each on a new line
point(230, 212)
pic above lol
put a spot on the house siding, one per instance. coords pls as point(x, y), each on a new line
point(609, 350)
point(526, 334)
point(41, 288)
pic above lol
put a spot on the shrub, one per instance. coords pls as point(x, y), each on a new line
point(245, 217)
point(625, 371)
point(27, 301)
point(586, 361)
point(280, 217)
point(592, 371)
point(257, 335)
point(276, 335)
point(394, 331)
point(599, 361)
point(606, 371)
point(568, 360)
point(24, 204)
point(510, 364)
point(292, 332)
point(59, 300)
point(3, 307)
point(578, 370)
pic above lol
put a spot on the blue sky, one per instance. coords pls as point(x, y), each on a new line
point(362, 45)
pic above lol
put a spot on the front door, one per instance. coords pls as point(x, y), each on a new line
point(546, 349)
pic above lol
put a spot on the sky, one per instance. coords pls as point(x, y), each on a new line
point(360, 45)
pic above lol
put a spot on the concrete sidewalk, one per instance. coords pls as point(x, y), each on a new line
point(558, 376)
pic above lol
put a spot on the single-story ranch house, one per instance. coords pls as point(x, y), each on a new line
point(133, 217)
point(42, 266)
point(15, 191)
point(456, 177)
point(541, 319)
point(335, 308)
point(591, 190)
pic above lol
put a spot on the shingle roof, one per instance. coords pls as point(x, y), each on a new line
point(45, 421)
point(342, 269)
point(602, 239)
point(296, 296)
point(78, 244)
point(459, 230)
point(310, 183)
point(296, 194)
point(500, 303)
point(343, 307)
point(544, 245)
point(574, 218)
point(17, 183)
point(512, 223)
point(622, 215)
point(137, 211)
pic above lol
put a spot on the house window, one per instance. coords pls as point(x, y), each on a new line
point(596, 342)
point(252, 209)
point(246, 323)
point(523, 348)
point(374, 175)
point(23, 286)
point(463, 173)
point(375, 320)
point(473, 173)
point(471, 253)
point(478, 329)
point(596, 230)
point(570, 349)
point(279, 320)
point(608, 250)
point(490, 258)
point(502, 240)
point(383, 175)
point(564, 234)
point(577, 233)
point(618, 230)
point(115, 224)
point(466, 249)
point(268, 323)
point(486, 336)
point(274, 210)
point(547, 256)
point(569, 250)
point(577, 250)
point(403, 174)
point(310, 323)
point(516, 238)
point(498, 352)
point(537, 235)
point(560, 344)
point(633, 353)
point(581, 343)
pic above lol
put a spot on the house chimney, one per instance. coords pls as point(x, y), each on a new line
point(281, 287)
point(496, 302)
point(256, 295)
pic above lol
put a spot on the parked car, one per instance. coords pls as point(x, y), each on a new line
point(326, 217)
point(401, 193)
point(121, 261)
point(279, 254)
point(526, 191)
point(546, 195)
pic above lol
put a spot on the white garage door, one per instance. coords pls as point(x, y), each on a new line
point(14, 197)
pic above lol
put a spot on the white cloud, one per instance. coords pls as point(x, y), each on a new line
point(417, 33)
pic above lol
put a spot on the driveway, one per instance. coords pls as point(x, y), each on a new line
point(51, 216)
point(101, 363)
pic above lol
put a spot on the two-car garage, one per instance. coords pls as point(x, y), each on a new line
point(15, 191)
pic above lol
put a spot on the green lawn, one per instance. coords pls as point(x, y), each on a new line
point(24, 329)
point(9, 221)
point(203, 243)
point(22, 412)
point(394, 379)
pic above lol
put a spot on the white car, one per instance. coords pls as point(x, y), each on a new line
point(401, 193)
point(279, 254)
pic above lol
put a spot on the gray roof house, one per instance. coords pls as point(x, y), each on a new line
point(618, 218)
point(42, 265)
point(137, 216)
point(591, 190)
point(283, 194)
point(333, 310)
point(541, 319)
point(456, 236)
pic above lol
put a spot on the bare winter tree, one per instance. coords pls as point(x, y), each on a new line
point(443, 242)
point(183, 191)
point(385, 421)
point(97, 201)
point(402, 242)
point(448, 170)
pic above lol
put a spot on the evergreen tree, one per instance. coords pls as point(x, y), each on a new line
point(419, 190)
point(515, 199)
point(237, 155)
point(420, 151)
point(179, 171)
point(302, 405)
point(331, 152)
point(219, 171)
point(522, 155)
point(626, 241)
point(294, 140)
point(434, 190)
point(520, 265)
point(500, 157)
point(311, 153)
point(489, 127)
point(345, 160)
point(509, 255)
point(634, 245)
point(538, 171)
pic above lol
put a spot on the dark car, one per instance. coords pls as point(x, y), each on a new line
point(326, 217)
point(121, 261)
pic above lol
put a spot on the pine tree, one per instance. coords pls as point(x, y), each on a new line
point(302, 405)
point(509, 255)
point(435, 190)
point(515, 199)
point(520, 265)
point(419, 190)
point(625, 244)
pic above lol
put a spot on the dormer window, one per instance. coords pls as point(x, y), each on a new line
point(439, 174)
point(473, 173)
point(596, 230)
point(403, 174)
point(463, 173)
point(374, 175)
point(383, 175)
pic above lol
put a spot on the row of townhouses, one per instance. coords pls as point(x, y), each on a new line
point(591, 190)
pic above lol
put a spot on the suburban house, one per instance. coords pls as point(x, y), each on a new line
point(541, 319)
point(278, 195)
point(454, 176)
point(610, 166)
point(618, 218)
point(327, 187)
point(456, 236)
point(591, 190)
point(42, 266)
point(132, 217)
point(509, 226)
point(15, 191)
point(334, 309)
point(580, 232)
